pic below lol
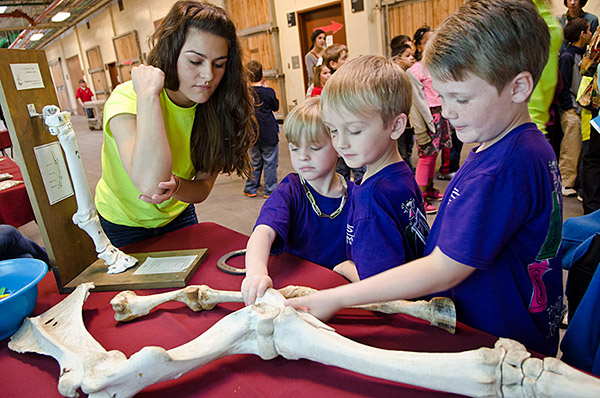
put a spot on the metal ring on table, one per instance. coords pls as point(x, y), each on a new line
point(228, 269)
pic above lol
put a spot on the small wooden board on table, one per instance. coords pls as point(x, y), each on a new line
point(128, 281)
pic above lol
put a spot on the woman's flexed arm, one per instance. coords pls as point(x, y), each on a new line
point(141, 139)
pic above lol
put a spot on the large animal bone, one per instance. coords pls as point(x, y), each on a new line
point(268, 329)
point(128, 305)
point(59, 124)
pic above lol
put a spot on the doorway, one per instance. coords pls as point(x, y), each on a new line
point(328, 18)
point(113, 74)
point(76, 74)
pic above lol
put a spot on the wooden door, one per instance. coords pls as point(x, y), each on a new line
point(260, 41)
point(97, 74)
point(127, 48)
point(76, 74)
point(113, 73)
point(58, 79)
point(405, 19)
point(330, 19)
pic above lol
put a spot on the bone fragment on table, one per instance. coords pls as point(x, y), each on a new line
point(268, 329)
point(128, 305)
point(59, 124)
point(61, 333)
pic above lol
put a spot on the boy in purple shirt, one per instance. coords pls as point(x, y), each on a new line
point(306, 214)
point(493, 247)
point(365, 106)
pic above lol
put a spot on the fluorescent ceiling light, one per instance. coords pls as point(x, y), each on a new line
point(61, 16)
point(36, 36)
point(3, 9)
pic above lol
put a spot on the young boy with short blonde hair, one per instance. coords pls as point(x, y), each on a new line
point(306, 214)
point(365, 106)
point(494, 245)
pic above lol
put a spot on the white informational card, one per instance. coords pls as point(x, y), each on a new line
point(27, 76)
point(595, 122)
point(165, 265)
point(54, 171)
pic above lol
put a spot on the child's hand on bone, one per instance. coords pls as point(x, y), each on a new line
point(322, 304)
point(254, 286)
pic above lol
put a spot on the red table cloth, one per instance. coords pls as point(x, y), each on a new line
point(15, 208)
point(173, 324)
point(5, 141)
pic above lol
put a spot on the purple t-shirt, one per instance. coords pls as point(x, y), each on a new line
point(502, 214)
point(299, 230)
point(387, 225)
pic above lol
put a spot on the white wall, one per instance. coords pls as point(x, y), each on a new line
point(137, 15)
point(363, 36)
point(363, 33)
point(592, 6)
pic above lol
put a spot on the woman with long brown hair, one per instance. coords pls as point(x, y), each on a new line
point(180, 121)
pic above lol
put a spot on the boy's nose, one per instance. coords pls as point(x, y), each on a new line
point(304, 155)
point(340, 141)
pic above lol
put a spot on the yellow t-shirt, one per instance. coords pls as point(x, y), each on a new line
point(116, 196)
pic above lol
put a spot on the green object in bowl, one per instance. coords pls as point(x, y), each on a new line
point(20, 277)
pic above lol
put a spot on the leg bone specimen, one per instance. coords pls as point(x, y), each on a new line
point(59, 124)
point(128, 305)
point(268, 329)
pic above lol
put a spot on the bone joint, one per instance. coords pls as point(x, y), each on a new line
point(269, 329)
point(127, 305)
point(59, 124)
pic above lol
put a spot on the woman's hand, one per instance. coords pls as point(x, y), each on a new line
point(147, 80)
point(170, 188)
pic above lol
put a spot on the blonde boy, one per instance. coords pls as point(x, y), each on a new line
point(306, 214)
point(495, 240)
point(364, 106)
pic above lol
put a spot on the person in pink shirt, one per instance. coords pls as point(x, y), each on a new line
point(440, 138)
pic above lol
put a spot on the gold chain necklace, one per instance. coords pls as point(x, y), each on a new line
point(313, 202)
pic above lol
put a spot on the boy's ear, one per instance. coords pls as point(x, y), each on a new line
point(521, 87)
point(399, 124)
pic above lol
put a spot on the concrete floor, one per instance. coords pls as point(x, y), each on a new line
point(226, 205)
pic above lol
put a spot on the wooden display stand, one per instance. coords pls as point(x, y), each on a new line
point(70, 249)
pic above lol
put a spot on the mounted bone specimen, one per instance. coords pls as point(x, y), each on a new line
point(268, 329)
point(59, 124)
point(127, 305)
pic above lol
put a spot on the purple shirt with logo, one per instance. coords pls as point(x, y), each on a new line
point(502, 214)
point(387, 225)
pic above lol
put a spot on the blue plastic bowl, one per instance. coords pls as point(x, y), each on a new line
point(20, 277)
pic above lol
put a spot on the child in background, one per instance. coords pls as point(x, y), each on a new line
point(334, 56)
point(322, 73)
point(439, 138)
point(364, 106)
point(577, 32)
point(306, 215)
point(264, 154)
point(399, 41)
point(420, 38)
point(403, 55)
point(502, 264)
